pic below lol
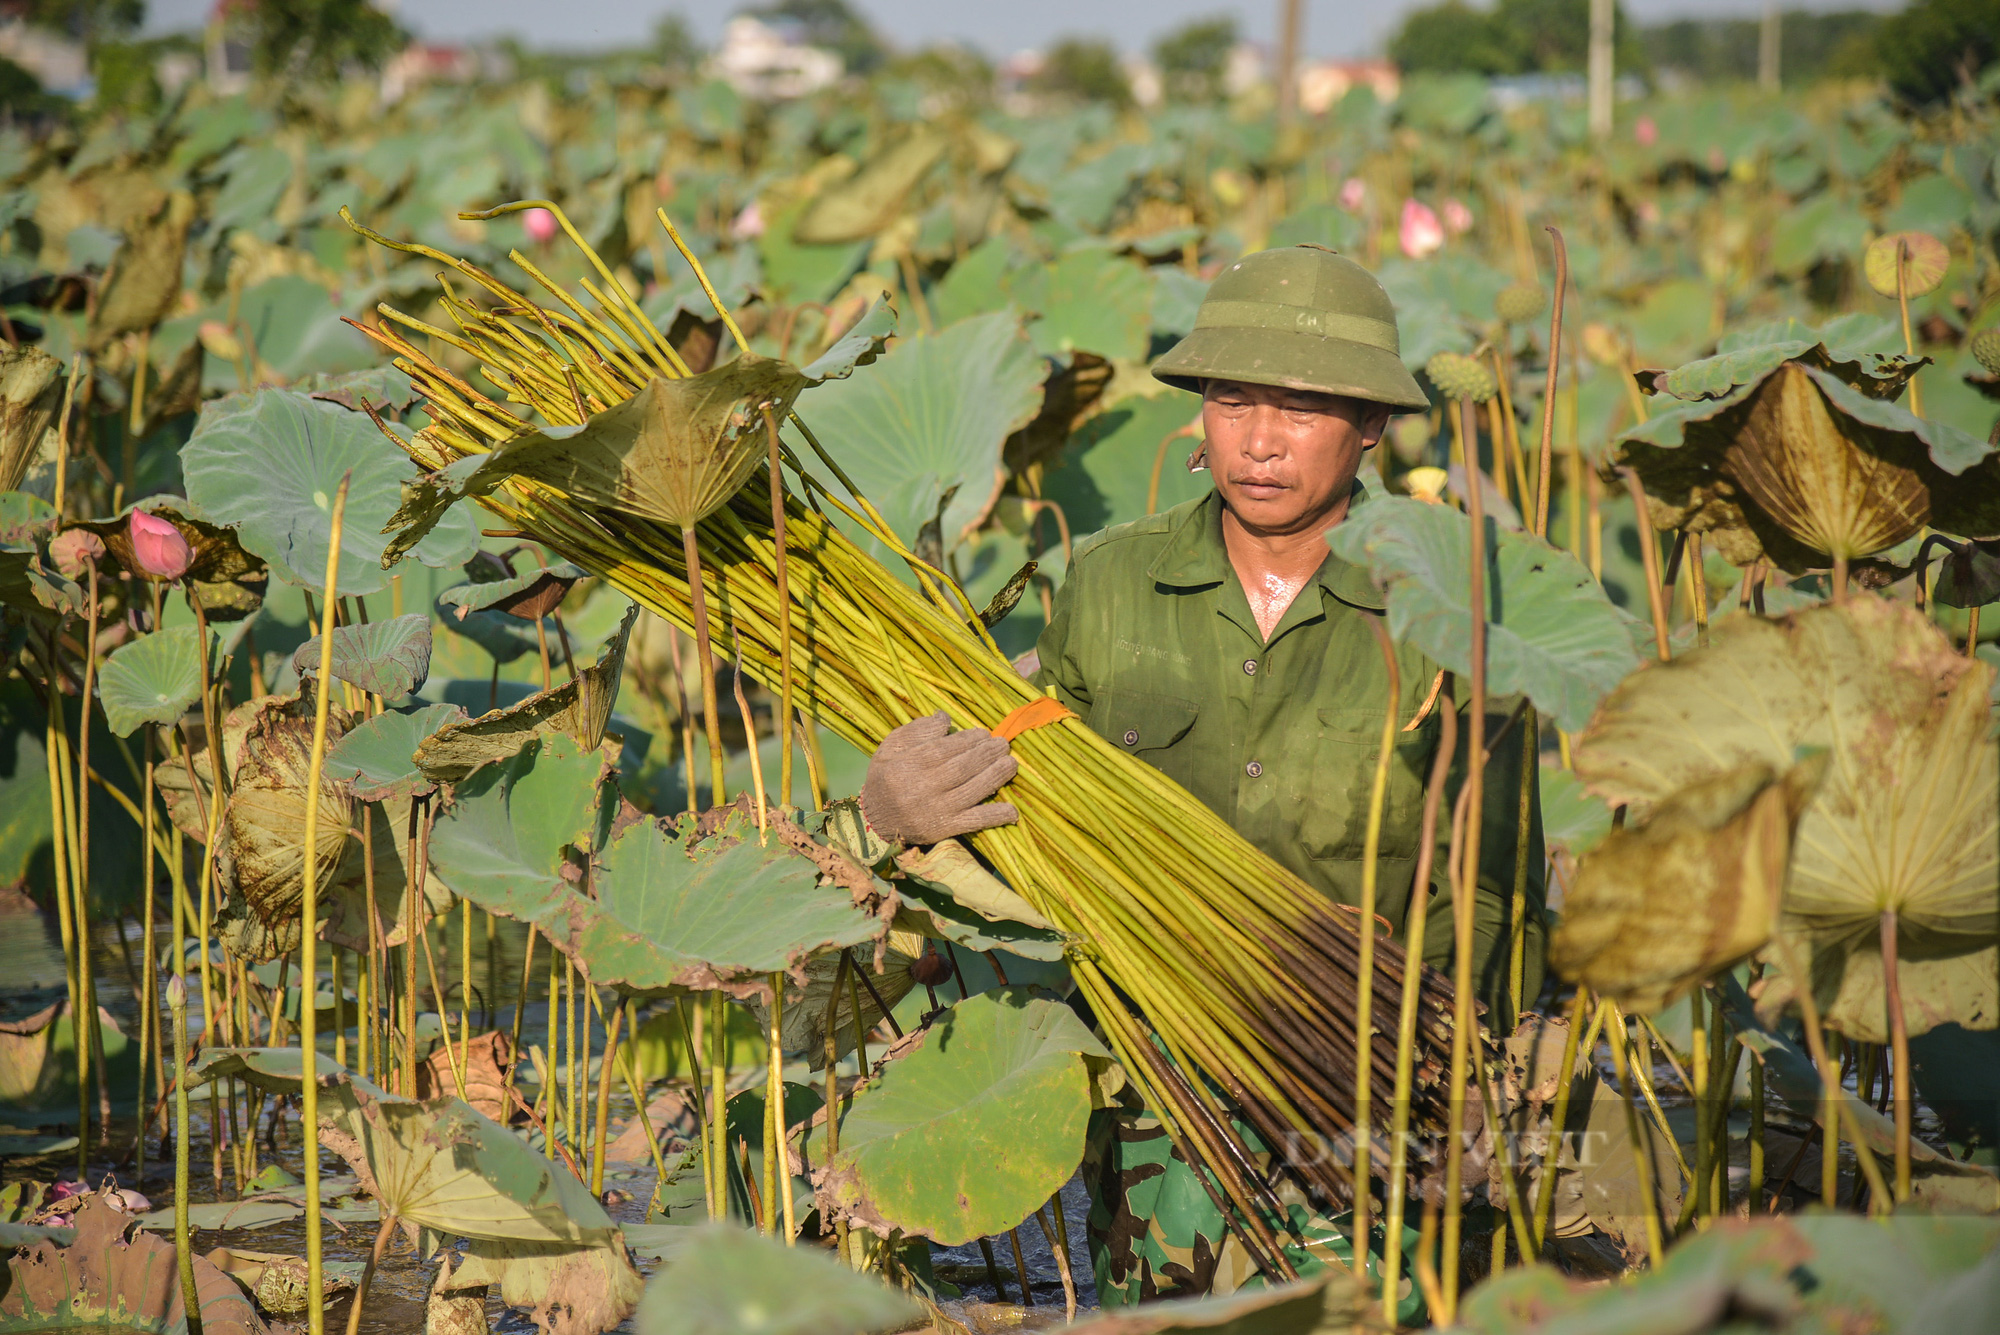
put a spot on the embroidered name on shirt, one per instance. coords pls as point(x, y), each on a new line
point(1149, 651)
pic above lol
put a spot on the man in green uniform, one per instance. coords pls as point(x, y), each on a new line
point(1223, 643)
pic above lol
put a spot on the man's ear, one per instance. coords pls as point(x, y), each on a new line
point(1373, 424)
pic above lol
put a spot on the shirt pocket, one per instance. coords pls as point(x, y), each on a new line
point(1334, 823)
point(1152, 727)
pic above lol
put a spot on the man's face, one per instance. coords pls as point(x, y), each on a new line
point(1284, 459)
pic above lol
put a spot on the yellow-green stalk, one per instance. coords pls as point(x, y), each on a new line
point(309, 929)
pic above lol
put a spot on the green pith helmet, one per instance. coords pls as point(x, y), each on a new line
point(1300, 317)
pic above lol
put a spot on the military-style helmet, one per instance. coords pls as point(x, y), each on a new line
point(1301, 317)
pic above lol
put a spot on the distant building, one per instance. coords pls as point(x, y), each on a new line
point(1324, 82)
point(418, 64)
point(59, 64)
point(766, 61)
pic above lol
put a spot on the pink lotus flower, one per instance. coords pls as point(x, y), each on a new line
point(159, 548)
point(749, 223)
point(540, 225)
point(70, 548)
point(1646, 132)
point(1353, 194)
point(1457, 217)
point(67, 1189)
point(1420, 232)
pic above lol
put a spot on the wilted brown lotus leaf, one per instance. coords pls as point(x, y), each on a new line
point(1790, 453)
point(1907, 818)
point(145, 276)
point(1696, 889)
point(580, 709)
point(266, 817)
point(30, 396)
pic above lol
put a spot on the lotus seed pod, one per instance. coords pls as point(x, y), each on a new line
point(1427, 484)
point(1986, 349)
point(1519, 303)
point(1458, 376)
point(931, 969)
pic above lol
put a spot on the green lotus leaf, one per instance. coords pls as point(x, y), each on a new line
point(383, 388)
point(1573, 821)
point(376, 760)
point(1108, 465)
point(505, 638)
point(1089, 300)
point(503, 842)
point(157, 678)
point(580, 709)
point(930, 416)
point(1552, 634)
point(14, 1235)
point(726, 912)
point(386, 658)
point(971, 1124)
point(526, 596)
point(729, 1281)
point(861, 344)
point(268, 465)
point(230, 1215)
point(861, 206)
point(797, 272)
point(294, 329)
point(1908, 816)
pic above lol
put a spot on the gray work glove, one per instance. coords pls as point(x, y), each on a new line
point(926, 783)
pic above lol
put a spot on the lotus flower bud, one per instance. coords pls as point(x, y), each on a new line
point(177, 993)
point(1457, 217)
point(1420, 232)
point(1353, 194)
point(159, 548)
point(70, 548)
point(1646, 132)
point(749, 223)
point(541, 226)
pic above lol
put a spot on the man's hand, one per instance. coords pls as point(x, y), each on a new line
point(926, 783)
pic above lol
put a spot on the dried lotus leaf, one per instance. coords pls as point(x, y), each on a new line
point(1830, 482)
point(265, 818)
point(1658, 908)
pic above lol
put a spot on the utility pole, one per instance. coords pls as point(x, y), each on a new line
point(1769, 34)
point(1602, 19)
point(1291, 28)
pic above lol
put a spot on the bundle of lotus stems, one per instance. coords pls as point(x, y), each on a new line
point(1219, 977)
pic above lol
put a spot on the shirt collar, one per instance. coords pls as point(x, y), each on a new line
point(1195, 557)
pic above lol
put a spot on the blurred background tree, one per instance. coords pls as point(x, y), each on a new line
point(1086, 68)
point(1193, 57)
point(831, 24)
point(1937, 46)
point(318, 38)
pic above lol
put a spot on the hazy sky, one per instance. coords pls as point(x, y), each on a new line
point(1333, 27)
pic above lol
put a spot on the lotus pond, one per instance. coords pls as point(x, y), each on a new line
point(470, 579)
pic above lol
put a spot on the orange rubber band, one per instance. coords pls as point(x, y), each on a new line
point(1037, 713)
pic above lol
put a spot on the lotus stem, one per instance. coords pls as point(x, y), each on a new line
point(1642, 1066)
point(613, 1022)
point(367, 1272)
point(1643, 1161)
point(781, 577)
point(1699, 1200)
point(637, 1088)
point(550, 1096)
point(464, 989)
point(1464, 1022)
point(750, 742)
point(1365, 970)
point(1020, 1268)
point(1903, 306)
point(1406, 1025)
point(1545, 1193)
point(444, 1020)
point(704, 656)
point(149, 1003)
point(410, 930)
point(1510, 1185)
point(579, 1110)
point(521, 998)
point(1061, 1253)
point(183, 1244)
point(774, 1102)
point(1899, 1039)
point(1649, 553)
point(1517, 911)
point(93, 1031)
point(1542, 475)
point(1756, 1147)
point(65, 919)
point(718, 1113)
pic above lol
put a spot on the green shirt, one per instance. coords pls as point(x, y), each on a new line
point(1153, 643)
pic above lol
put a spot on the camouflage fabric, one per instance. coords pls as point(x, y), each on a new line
point(1156, 1233)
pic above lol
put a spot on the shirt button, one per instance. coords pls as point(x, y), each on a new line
point(1132, 737)
point(1253, 769)
point(1249, 667)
